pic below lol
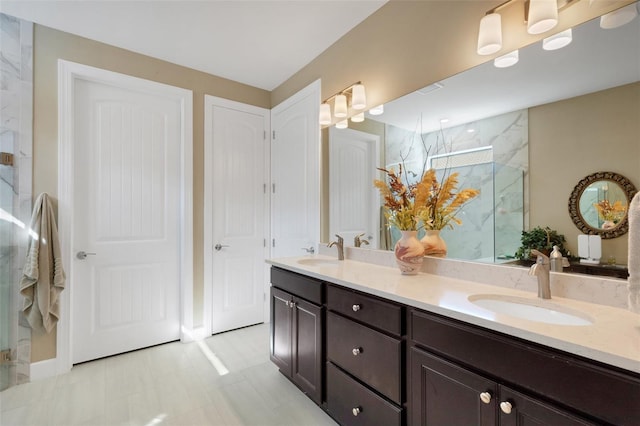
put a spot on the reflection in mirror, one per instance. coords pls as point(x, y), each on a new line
point(599, 202)
point(487, 106)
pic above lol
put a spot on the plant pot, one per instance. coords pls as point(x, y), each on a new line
point(409, 253)
point(434, 244)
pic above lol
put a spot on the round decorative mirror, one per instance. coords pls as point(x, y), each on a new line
point(599, 204)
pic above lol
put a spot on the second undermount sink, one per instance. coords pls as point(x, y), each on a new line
point(536, 310)
point(319, 262)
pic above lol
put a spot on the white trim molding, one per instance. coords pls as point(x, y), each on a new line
point(68, 74)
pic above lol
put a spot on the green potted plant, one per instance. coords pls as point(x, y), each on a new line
point(541, 239)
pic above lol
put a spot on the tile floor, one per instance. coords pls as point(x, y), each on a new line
point(172, 384)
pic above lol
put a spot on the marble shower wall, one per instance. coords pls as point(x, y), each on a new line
point(16, 121)
point(492, 223)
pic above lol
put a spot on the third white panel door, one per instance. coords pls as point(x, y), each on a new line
point(126, 290)
point(239, 215)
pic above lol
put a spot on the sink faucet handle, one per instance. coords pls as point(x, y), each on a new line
point(340, 239)
point(541, 257)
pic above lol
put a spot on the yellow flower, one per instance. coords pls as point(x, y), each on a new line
point(610, 212)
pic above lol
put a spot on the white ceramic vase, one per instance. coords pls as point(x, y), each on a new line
point(409, 253)
point(433, 244)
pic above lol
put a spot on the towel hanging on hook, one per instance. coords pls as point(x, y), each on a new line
point(43, 276)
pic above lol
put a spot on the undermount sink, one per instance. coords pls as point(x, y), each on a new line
point(537, 310)
point(319, 262)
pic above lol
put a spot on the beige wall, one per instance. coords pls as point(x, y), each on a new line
point(405, 45)
point(51, 45)
point(571, 139)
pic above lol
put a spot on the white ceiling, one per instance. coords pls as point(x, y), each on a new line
point(260, 42)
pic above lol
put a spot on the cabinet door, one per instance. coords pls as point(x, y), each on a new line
point(442, 393)
point(522, 410)
point(281, 319)
point(307, 348)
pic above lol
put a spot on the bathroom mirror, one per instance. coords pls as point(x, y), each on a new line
point(540, 79)
point(599, 203)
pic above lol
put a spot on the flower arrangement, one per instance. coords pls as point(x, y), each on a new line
point(610, 212)
point(429, 201)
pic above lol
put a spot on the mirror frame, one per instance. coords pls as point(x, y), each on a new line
point(574, 204)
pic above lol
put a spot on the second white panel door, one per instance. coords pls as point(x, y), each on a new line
point(238, 155)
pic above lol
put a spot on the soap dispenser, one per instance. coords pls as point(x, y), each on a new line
point(555, 259)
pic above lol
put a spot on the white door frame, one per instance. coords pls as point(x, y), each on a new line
point(68, 74)
point(209, 175)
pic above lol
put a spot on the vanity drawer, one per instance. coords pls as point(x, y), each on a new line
point(369, 310)
point(369, 355)
point(351, 403)
point(299, 285)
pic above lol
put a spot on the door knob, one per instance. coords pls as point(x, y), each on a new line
point(82, 255)
point(219, 246)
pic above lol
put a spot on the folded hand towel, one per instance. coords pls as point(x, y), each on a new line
point(43, 277)
point(633, 282)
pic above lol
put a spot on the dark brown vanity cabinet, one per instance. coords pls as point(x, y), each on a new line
point(296, 330)
point(365, 369)
point(459, 374)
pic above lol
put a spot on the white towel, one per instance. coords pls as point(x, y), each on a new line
point(43, 277)
point(633, 282)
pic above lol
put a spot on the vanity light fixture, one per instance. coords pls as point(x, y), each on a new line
point(539, 15)
point(378, 110)
point(354, 93)
point(619, 17)
point(507, 60)
point(358, 118)
point(557, 41)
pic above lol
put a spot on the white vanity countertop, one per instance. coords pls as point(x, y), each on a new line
point(613, 338)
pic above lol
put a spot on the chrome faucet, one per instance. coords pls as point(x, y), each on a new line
point(541, 270)
point(358, 241)
point(340, 245)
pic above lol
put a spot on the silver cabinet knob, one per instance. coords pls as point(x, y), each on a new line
point(82, 255)
point(485, 397)
point(356, 351)
point(506, 407)
point(356, 308)
point(356, 411)
point(219, 246)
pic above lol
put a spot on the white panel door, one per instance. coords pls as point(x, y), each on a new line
point(354, 204)
point(236, 155)
point(127, 203)
point(295, 161)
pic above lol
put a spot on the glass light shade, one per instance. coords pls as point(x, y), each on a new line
point(543, 16)
point(557, 41)
point(619, 17)
point(358, 118)
point(342, 124)
point(379, 110)
point(325, 114)
point(507, 60)
point(490, 34)
point(340, 107)
point(359, 99)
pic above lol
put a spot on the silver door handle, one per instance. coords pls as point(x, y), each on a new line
point(219, 246)
point(82, 255)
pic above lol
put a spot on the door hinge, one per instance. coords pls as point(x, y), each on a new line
point(273, 132)
point(264, 135)
point(264, 242)
point(273, 188)
point(5, 356)
point(264, 188)
point(273, 242)
point(6, 158)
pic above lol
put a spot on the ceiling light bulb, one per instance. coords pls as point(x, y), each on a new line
point(543, 16)
point(359, 99)
point(557, 41)
point(507, 60)
point(619, 17)
point(379, 110)
point(342, 124)
point(325, 114)
point(490, 34)
point(340, 108)
point(358, 118)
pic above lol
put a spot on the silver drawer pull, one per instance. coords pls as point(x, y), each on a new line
point(356, 308)
point(356, 351)
point(356, 411)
